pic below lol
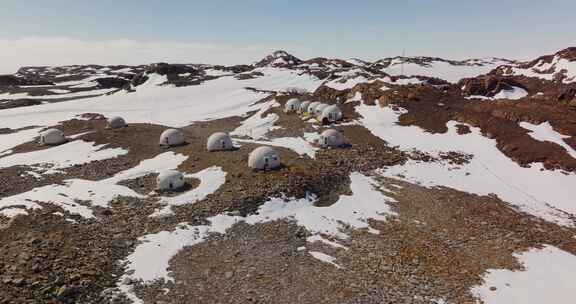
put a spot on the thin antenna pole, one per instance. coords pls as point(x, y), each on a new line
point(402, 65)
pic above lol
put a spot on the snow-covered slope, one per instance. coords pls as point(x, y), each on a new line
point(167, 105)
point(448, 70)
point(560, 66)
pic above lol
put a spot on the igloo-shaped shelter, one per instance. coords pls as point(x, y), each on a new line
point(263, 158)
point(319, 108)
point(312, 106)
point(303, 107)
point(331, 138)
point(219, 141)
point(52, 137)
point(330, 114)
point(171, 137)
point(292, 105)
point(170, 180)
point(116, 122)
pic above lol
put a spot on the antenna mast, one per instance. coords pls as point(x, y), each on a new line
point(402, 64)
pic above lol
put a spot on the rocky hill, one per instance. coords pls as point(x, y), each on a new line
point(453, 183)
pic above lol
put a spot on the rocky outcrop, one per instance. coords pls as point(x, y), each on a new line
point(331, 63)
point(19, 103)
point(240, 68)
point(370, 92)
point(568, 54)
point(279, 59)
point(331, 95)
point(11, 80)
point(167, 69)
point(488, 85)
point(111, 82)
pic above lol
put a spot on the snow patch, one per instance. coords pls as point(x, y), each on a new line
point(72, 192)
point(441, 69)
point(11, 140)
point(150, 259)
point(297, 144)
point(53, 159)
point(324, 258)
point(545, 132)
point(211, 179)
point(166, 105)
point(513, 94)
point(547, 71)
point(548, 277)
point(489, 171)
point(257, 125)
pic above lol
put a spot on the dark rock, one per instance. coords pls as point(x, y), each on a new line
point(11, 80)
point(111, 82)
point(488, 85)
point(167, 69)
point(279, 59)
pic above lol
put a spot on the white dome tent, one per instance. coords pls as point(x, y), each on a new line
point(263, 158)
point(303, 107)
point(170, 180)
point(116, 122)
point(331, 138)
point(171, 137)
point(219, 141)
point(319, 108)
point(312, 106)
point(330, 114)
point(52, 137)
point(292, 105)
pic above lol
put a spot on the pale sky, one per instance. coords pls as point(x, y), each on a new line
point(227, 32)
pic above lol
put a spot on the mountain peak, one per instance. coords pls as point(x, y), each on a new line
point(279, 58)
point(568, 54)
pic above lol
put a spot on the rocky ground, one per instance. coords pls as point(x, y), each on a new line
point(433, 247)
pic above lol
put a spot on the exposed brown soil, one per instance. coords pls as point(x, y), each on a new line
point(438, 246)
point(431, 108)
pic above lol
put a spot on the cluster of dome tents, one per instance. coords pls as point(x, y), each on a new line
point(261, 158)
point(324, 113)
